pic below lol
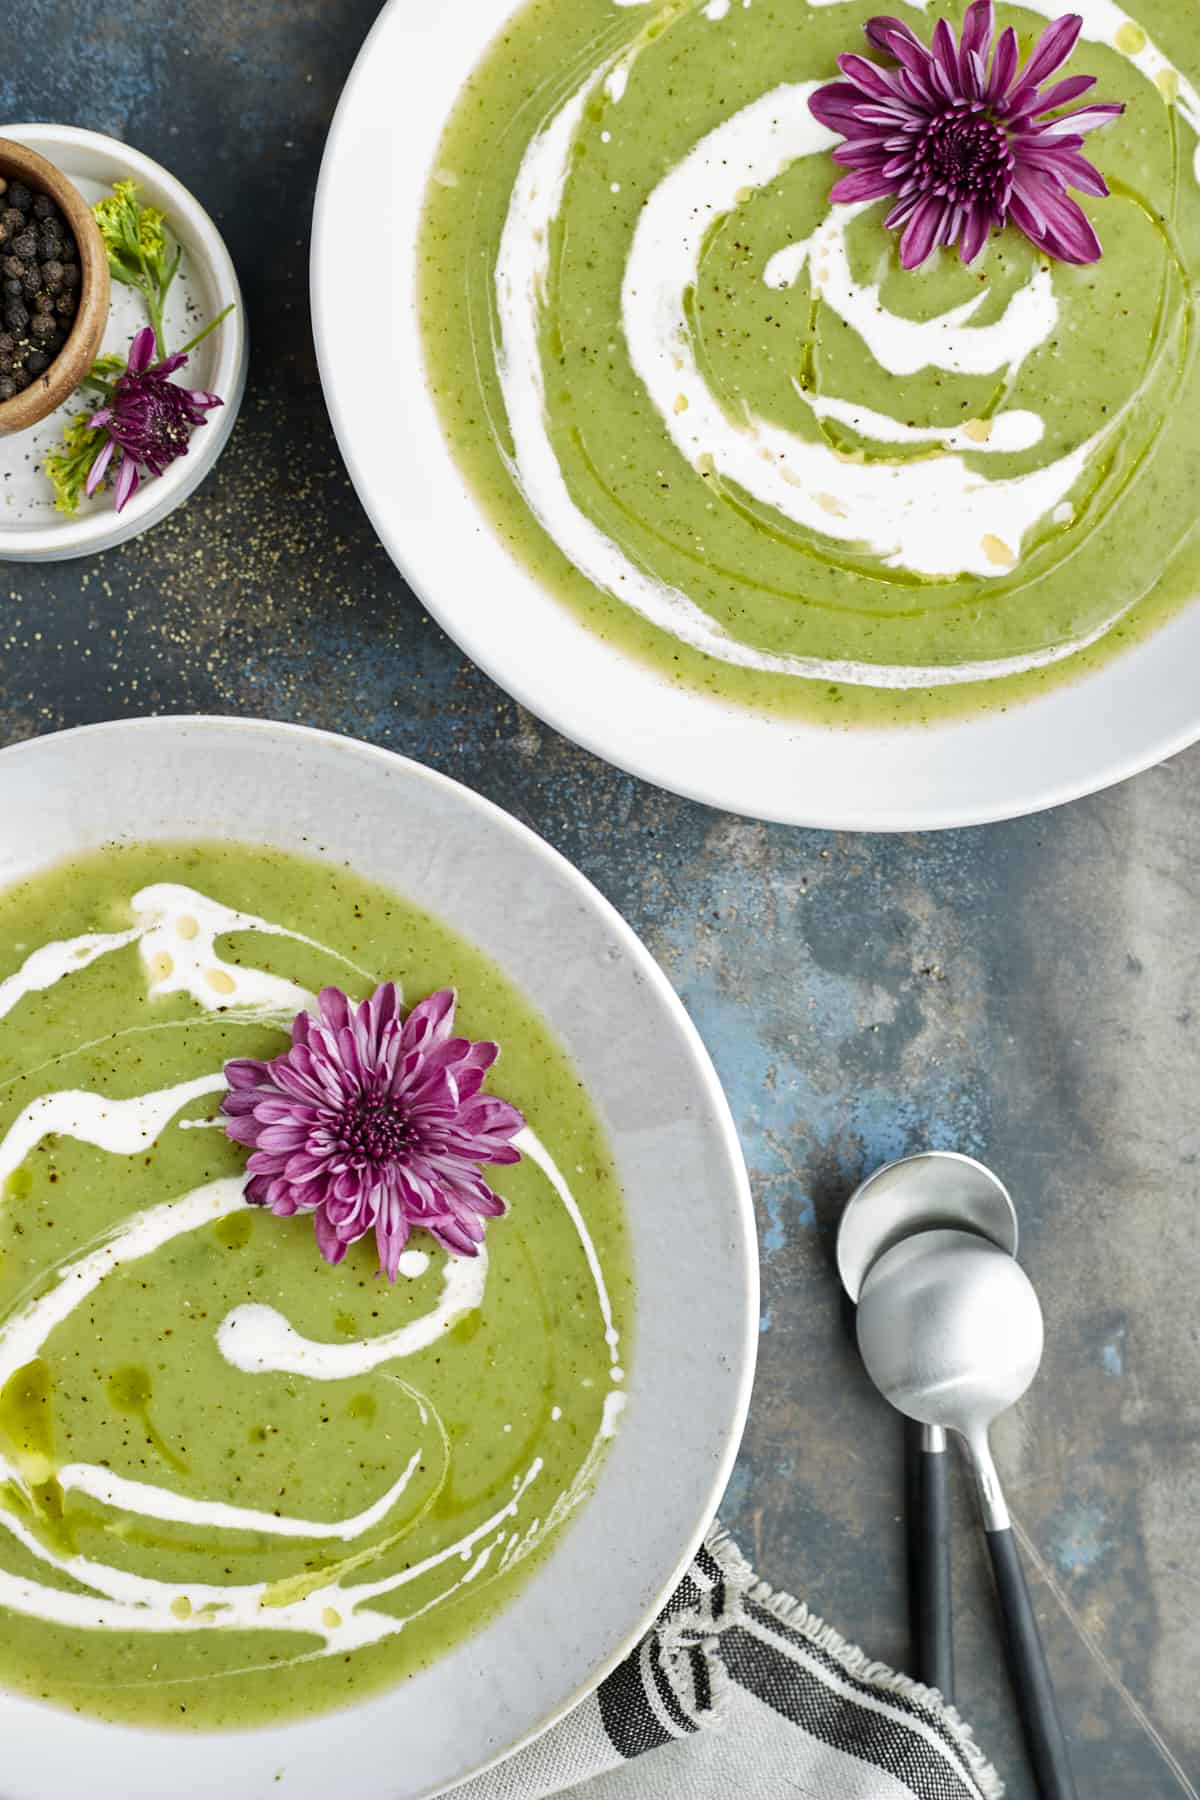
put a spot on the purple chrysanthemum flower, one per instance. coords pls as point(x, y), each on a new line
point(375, 1121)
point(963, 147)
point(149, 418)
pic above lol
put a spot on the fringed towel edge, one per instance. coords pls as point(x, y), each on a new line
point(798, 1617)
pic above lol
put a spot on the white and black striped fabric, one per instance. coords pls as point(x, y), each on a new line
point(741, 1694)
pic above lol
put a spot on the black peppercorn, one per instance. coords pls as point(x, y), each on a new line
point(39, 284)
point(8, 387)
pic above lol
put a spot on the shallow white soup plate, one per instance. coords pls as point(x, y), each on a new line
point(690, 1222)
point(1140, 708)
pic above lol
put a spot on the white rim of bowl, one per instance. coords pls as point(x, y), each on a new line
point(714, 1094)
point(98, 531)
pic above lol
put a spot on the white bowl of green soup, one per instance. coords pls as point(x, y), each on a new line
point(270, 1520)
point(685, 459)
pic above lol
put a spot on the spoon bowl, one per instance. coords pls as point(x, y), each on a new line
point(934, 1190)
point(950, 1330)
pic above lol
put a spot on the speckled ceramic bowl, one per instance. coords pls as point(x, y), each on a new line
point(31, 530)
point(688, 1208)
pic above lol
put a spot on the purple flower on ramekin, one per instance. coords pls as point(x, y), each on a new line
point(962, 147)
point(149, 418)
point(374, 1121)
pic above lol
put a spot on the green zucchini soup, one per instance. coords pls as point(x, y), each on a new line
point(711, 412)
point(240, 1481)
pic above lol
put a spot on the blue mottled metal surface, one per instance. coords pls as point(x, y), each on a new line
point(1026, 992)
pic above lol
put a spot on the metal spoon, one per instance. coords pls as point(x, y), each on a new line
point(918, 1193)
point(951, 1333)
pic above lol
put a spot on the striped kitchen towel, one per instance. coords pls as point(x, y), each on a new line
point(741, 1694)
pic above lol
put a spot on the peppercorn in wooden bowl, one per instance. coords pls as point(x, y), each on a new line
point(60, 339)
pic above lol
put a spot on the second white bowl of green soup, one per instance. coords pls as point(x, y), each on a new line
point(371, 1219)
point(677, 448)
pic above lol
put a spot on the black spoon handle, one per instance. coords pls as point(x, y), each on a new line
point(1029, 1672)
point(929, 1558)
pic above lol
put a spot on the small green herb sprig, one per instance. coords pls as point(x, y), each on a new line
point(139, 255)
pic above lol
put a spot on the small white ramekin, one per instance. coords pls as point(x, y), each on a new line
point(30, 528)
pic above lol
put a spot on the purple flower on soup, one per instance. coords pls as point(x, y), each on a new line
point(963, 147)
point(375, 1122)
point(149, 418)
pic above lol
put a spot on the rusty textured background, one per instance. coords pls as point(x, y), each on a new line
point(1025, 992)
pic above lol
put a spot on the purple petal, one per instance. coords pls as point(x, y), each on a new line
point(869, 155)
point(243, 1071)
point(1068, 235)
point(1004, 63)
point(903, 209)
point(974, 75)
point(1053, 48)
point(329, 1243)
point(431, 1021)
point(974, 233)
point(450, 1234)
point(833, 105)
point(141, 350)
point(1084, 118)
point(922, 231)
point(1082, 174)
point(392, 1230)
point(883, 31)
point(1063, 92)
point(169, 364)
point(915, 62)
point(867, 76)
point(127, 479)
point(334, 1008)
point(945, 53)
point(1025, 206)
point(975, 38)
point(862, 184)
point(96, 472)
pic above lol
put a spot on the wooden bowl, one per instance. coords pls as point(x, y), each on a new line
point(78, 353)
